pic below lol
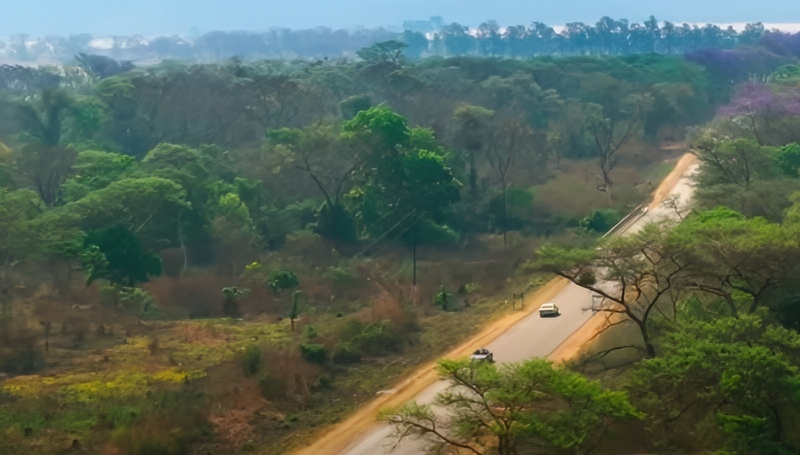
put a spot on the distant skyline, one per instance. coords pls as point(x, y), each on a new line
point(169, 17)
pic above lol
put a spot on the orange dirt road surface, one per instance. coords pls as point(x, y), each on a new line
point(686, 161)
point(340, 435)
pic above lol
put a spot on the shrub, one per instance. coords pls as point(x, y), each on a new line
point(281, 280)
point(341, 275)
point(28, 360)
point(230, 306)
point(310, 332)
point(601, 221)
point(153, 436)
point(251, 360)
point(272, 388)
point(323, 381)
point(378, 338)
point(120, 415)
point(345, 352)
point(351, 329)
point(444, 299)
point(314, 353)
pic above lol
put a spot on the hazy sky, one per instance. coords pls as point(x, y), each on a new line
point(159, 17)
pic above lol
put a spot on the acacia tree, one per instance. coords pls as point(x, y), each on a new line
point(493, 408)
point(329, 162)
point(736, 375)
point(637, 276)
point(725, 253)
point(611, 127)
point(735, 161)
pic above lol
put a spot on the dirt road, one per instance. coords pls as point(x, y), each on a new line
point(516, 337)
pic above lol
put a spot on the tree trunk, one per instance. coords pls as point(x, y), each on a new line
point(414, 264)
point(651, 349)
point(414, 256)
point(731, 305)
point(505, 219)
point(778, 433)
point(473, 178)
point(5, 298)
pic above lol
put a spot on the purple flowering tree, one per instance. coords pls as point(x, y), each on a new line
point(754, 103)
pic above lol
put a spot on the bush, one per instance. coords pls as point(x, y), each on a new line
point(281, 280)
point(27, 361)
point(324, 381)
point(601, 221)
point(120, 415)
point(341, 275)
point(314, 353)
point(251, 360)
point(272, 388)
point(351, 329)
point(230, 306)
point(378, 338)
point(309, 332)
point(345, 352)
point(162, 435)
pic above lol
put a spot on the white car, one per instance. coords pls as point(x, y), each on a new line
point(482, 355)
point(548, 309)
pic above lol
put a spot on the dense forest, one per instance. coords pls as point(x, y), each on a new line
point(423, 38)
point(222, 257)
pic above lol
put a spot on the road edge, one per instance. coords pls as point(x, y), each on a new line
point(363, 420)
point(339, 436)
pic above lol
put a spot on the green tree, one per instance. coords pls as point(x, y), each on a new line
point(472, 133)
point(509, 140)
point(497, 407)
point(18, 242)
point(281, 280)
point(148, 207)
point(317, 151)
point(403, 178)
point(115, 254)
point(42, 119)
point(387, 51)
point(612, 126)
point(733, 161)
point(725, 253)
point(41, 163)
point(94, 170)
point(637, 276)
point(739, 376)
point(234, 227)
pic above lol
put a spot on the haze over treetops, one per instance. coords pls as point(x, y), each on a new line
point(152, 17)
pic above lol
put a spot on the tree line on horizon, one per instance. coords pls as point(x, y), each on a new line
point(423, 38)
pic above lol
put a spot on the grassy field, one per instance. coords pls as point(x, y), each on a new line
point(185, 385)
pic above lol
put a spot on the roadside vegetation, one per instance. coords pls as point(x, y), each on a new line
point(227, 257)
point(700, 341)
